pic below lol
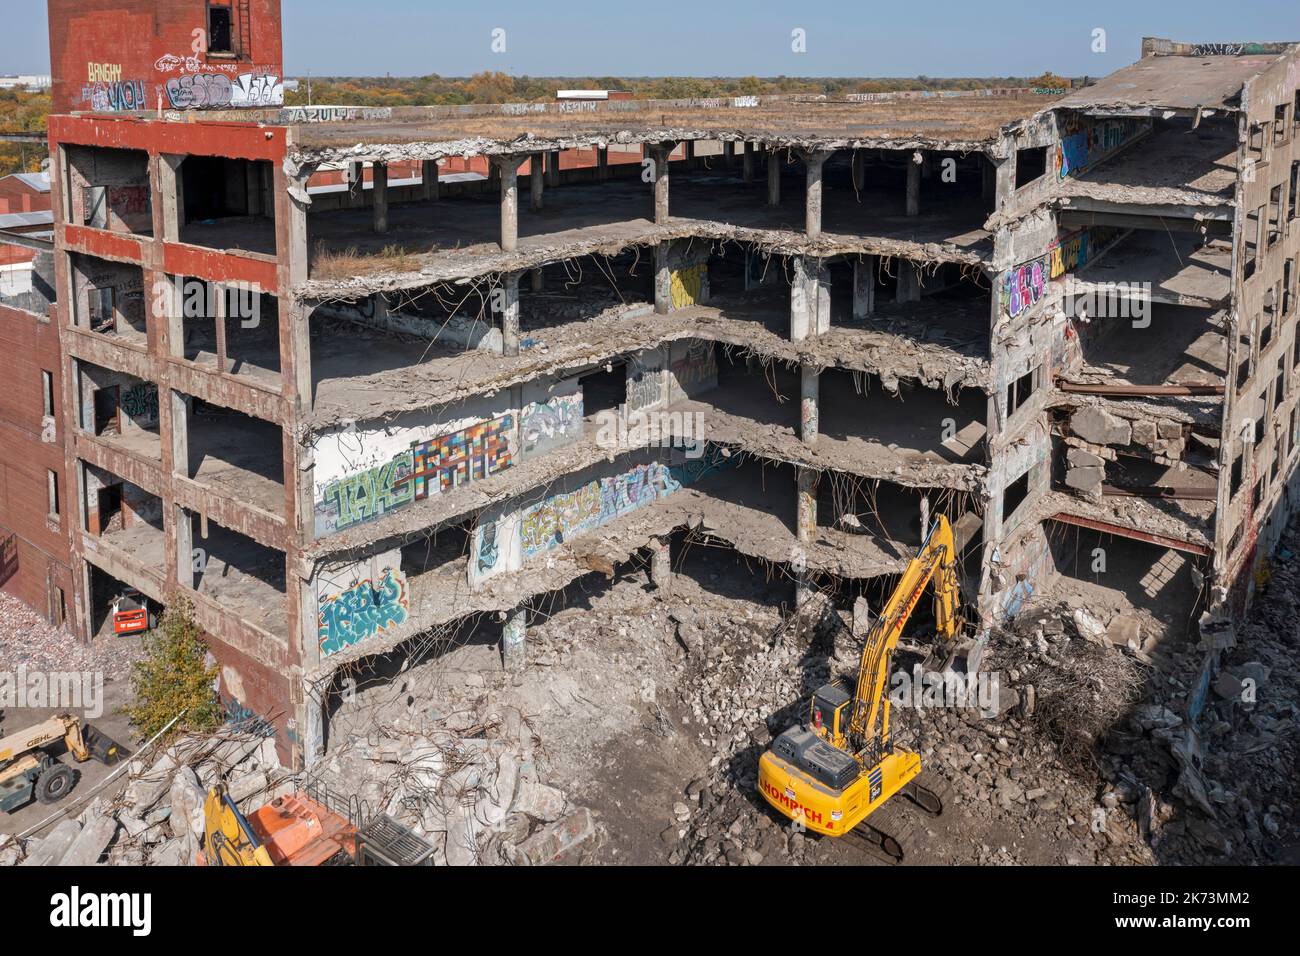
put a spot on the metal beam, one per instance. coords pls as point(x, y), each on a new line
point(1123, 532)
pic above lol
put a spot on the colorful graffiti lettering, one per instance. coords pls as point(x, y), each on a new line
point(427, 468)
point(1084, 147)
point(373, 492)
point(549, 425)
point(1024, 286)
point(450, 461)
point(122, 96)
point(247, 721)
point(550, 523)
point(362, 611)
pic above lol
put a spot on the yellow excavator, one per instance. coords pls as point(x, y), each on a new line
point(833, 773)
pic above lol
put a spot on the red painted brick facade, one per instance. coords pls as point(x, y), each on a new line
point(121, 55)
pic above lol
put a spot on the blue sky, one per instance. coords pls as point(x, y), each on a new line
point(711, 38)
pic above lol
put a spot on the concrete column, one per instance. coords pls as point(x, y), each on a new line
point(553, 168)
point(806, 525)
point(909, 282)
point(661, 565)
point(184, 547)
point(801, 303)
point(429, 179)
point(537, 280)
point(514, 640)
point(602, 163)
point(688, 155)
point(864, 286)
point(729, 153)
point(172, 196)
point(536, 180)
point(507, 168)
point(180, 434)
point(663, 280)
point(659, 153)
point(747, 162)
point(859, 170)
point(354, 176)
point(510, 312)
point(809, 398)
point(814, 161)
point(914, 186)
point(773, 176)
point(379, 193)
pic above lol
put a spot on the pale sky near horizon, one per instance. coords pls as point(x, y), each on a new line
point(676, 38)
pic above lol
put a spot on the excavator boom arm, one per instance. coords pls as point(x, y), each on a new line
point(936, 560)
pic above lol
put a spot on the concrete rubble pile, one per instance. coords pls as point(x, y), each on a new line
point(153, 815)
point(467, 782)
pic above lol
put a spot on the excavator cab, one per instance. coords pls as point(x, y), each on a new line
point(829, 713)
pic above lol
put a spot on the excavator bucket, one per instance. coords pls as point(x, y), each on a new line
point(102, 747)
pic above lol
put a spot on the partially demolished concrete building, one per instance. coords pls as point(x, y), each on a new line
point(338, 419)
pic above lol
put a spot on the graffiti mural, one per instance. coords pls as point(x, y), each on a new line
point(140, 402)
point(550, 523)
point(214, 91)
point(1024, 286)
point(450, 461)
point(696, 371)
point(690, 285)
point(426, 468)
point(545, 426)
point(645, 381)
point(363, 610)
point(116, 97)
point(1084, 144)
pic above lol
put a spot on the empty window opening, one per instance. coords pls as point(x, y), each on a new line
point(1018, 392)
point(221, 29)
point(604, 388)
point(47, 392)
point(1274, 214)
point(1031, 163)
point(52, 492)
point(1014, 496)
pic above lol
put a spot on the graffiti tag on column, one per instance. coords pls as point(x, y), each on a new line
point(363, 610)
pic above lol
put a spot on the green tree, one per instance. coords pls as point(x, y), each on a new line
point(173, 678)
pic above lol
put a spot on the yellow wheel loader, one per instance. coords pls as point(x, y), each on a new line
point(834, 772)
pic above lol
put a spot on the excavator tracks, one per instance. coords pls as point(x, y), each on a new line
point(891, 829)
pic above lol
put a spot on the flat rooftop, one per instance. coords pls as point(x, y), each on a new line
point(1172, 82)
point(949, 117)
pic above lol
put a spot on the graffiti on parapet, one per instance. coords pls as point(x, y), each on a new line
point(426, 468)
point(1226, 49)
point(1024, 286)
point(140, 402)
point(214, 91)
point(363, 610)
point(545, 426)
point(333, 114)
point(1085, 143)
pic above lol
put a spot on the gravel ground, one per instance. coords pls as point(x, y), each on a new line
point(27, 638)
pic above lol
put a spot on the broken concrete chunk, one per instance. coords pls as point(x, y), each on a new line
point(51, 848)
point(1100, 427)
point(539, 801)
point(91, 842)
point(1087, 480)
point(1078, 458)
point(550, 843)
